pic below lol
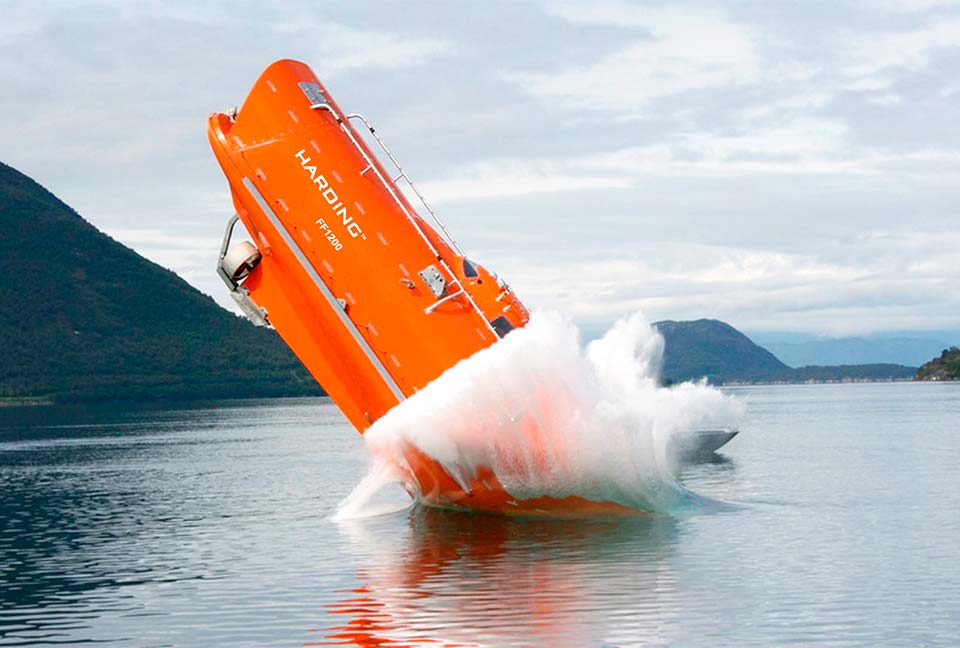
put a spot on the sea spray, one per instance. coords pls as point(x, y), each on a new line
point(363, 500)
point(552, 419)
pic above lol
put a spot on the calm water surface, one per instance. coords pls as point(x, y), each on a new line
point(210, 526)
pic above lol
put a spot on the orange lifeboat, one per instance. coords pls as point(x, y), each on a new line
point(373, 299)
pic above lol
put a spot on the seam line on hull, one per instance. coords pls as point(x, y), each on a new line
point(331, 300)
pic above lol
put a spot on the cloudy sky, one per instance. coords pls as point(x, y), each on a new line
point(783, 166)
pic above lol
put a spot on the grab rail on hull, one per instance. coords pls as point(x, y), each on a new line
point(318, 102)
point(432, 307)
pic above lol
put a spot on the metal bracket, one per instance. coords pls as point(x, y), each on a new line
point(251, 311)
point(257, 315)
point(313, 92)
point(434, 280)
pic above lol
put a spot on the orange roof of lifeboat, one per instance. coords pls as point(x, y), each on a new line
point(374, 301)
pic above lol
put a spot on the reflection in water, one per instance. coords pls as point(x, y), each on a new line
point(100, 504)
point(210, 527)
point(87, 515)
point(472, 580)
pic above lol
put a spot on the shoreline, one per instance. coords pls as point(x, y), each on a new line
point(839, 381)
point(25, 401)
point(47, 401)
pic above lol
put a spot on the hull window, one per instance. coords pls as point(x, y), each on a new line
point(469, 269)
point(502, 326)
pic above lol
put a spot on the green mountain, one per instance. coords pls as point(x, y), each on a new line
point(715, 350)
point(722, 354)
point(83, 317)
point(946, 367)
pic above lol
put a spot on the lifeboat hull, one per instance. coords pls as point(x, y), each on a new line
point(373, 299)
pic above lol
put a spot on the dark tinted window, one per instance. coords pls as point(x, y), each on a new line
point(469, 269)
point(502, 326)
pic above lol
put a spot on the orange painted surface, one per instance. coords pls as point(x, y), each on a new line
point(341, 249)
point(485, 494)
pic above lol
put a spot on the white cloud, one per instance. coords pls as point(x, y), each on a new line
point(343, 48)
point(163, 239)
point(753, 289)
point(680, 50)
point(693, 159)
point(911, 49)
point(799, 137)
point(799, 147)
point(914, 6)
point(801, 102)
point(515, 177)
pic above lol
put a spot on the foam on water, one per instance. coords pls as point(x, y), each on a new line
point(552, 418)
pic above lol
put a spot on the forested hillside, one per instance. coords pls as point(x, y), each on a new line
point(946, 367)
point(84, 317)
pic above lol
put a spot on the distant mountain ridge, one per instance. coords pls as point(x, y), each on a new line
point(716, 351)
point(84, 317)
point(899, 349)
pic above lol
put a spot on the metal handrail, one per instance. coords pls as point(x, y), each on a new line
point(432, 307)
point(390, 187)
point(403, 174)
point(224, 246)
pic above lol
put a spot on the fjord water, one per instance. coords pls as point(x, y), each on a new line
point(200, 526)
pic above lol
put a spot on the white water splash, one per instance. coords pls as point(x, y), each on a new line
point(551, 418)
